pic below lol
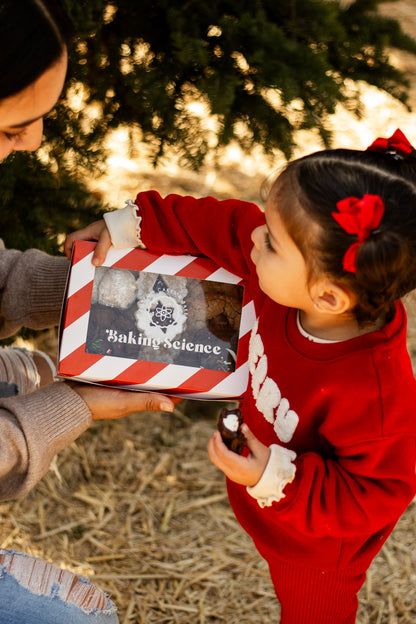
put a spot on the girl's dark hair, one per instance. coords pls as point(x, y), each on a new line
point(307, 192)
point(33, 35)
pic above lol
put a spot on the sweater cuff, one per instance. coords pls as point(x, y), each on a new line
point(124, 226)
point(280, 471)
point(47, 290)
point(58, 415)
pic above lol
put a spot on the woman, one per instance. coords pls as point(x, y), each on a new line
point(38, 420)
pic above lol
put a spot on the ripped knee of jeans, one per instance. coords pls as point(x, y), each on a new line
point(27, 370)
point(44, 579)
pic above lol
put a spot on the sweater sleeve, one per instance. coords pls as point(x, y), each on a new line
point(32, 286)
point(33, 429)
point(220, 230)
point(366, 488)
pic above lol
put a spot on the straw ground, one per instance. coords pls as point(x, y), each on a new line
point(137, 506)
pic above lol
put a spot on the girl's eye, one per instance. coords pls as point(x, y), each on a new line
point(267, 241)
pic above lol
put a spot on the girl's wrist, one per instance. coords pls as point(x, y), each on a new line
point(124, 226)
point(280, 471)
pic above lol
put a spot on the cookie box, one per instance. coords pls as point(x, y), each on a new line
point(144, 321)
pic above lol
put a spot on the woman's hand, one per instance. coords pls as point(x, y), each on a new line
point(110, 403)
point(96, 231)
point(244, 470)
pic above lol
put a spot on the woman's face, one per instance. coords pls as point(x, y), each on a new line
point(21, 115)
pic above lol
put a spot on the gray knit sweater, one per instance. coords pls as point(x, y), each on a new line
point(34, 427)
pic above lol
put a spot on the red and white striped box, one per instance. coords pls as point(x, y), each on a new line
point(146, 321)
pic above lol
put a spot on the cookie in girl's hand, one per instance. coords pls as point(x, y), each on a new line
point(229, 426)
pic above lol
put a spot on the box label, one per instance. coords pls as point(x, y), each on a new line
point(164, 318)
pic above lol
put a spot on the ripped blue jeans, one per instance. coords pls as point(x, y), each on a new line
point(33, 590)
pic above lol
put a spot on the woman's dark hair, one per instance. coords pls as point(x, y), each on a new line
point(307, 192)
point(33, 35)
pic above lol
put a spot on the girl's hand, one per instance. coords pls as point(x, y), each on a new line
point(244, 470)
point(96, 231)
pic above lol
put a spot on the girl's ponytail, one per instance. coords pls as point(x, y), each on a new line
point(381, 277)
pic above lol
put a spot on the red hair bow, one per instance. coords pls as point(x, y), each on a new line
point(397, 144)
point(360, 217)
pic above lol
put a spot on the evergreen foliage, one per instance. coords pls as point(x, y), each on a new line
point(264, 68)
point(38, 205)
point(274, 66)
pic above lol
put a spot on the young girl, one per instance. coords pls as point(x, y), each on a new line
point(330, 408)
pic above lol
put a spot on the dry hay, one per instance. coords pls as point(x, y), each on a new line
point(137, 506)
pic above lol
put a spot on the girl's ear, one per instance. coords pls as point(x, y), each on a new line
point(330, 298)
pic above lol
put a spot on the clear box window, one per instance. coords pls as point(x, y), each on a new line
point(164, 318)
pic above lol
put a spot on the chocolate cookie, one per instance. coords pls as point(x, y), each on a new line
point(229, 426)
point(220, 313)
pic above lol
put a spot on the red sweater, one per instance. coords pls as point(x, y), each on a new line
point(349, 407)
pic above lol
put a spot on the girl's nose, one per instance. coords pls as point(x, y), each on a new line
point(256, 236)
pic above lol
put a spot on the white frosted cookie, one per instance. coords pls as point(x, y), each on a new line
point(117, 288)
